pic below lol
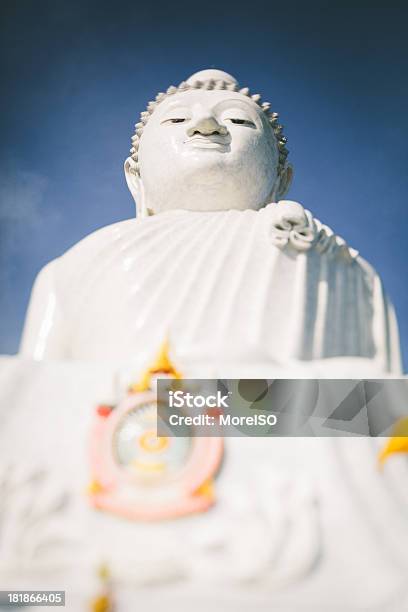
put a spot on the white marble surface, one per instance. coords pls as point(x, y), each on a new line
point(255, 288)
point(300, 524)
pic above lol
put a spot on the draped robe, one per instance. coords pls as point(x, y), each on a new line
point(273, 286)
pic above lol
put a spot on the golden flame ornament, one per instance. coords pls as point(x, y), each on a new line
point(162, 365)
point(398, 443)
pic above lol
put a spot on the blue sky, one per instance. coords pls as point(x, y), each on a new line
point(76, 75)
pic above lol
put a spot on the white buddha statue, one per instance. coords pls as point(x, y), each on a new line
point(215, 260)
point(241, 283)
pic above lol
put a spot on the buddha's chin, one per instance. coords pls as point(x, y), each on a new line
point(211, 186)
point(202, 197)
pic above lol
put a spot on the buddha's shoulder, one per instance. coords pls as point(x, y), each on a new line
point(98, 242)
point(100, 239)
point(108, 243)
point(86, 252)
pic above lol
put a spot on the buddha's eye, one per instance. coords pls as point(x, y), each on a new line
point(245, 122)
point(175, 120)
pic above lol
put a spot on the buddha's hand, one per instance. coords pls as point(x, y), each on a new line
point(294, 226)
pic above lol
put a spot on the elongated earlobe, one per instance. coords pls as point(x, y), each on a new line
point(135, 186)
point(285, 181)
point(282, 184)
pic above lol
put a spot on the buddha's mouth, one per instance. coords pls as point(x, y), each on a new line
point(207, 142)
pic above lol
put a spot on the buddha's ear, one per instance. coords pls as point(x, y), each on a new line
point(284, 181)
point(135, 185)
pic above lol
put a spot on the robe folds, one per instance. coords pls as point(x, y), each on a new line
point(273, 286)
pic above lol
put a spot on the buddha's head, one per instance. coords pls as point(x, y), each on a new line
point(207, 145)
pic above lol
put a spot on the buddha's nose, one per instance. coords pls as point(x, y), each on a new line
point(207, 126)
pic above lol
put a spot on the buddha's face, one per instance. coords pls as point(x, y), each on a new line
point(208, 150)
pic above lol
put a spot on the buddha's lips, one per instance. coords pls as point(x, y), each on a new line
point(207, 141)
